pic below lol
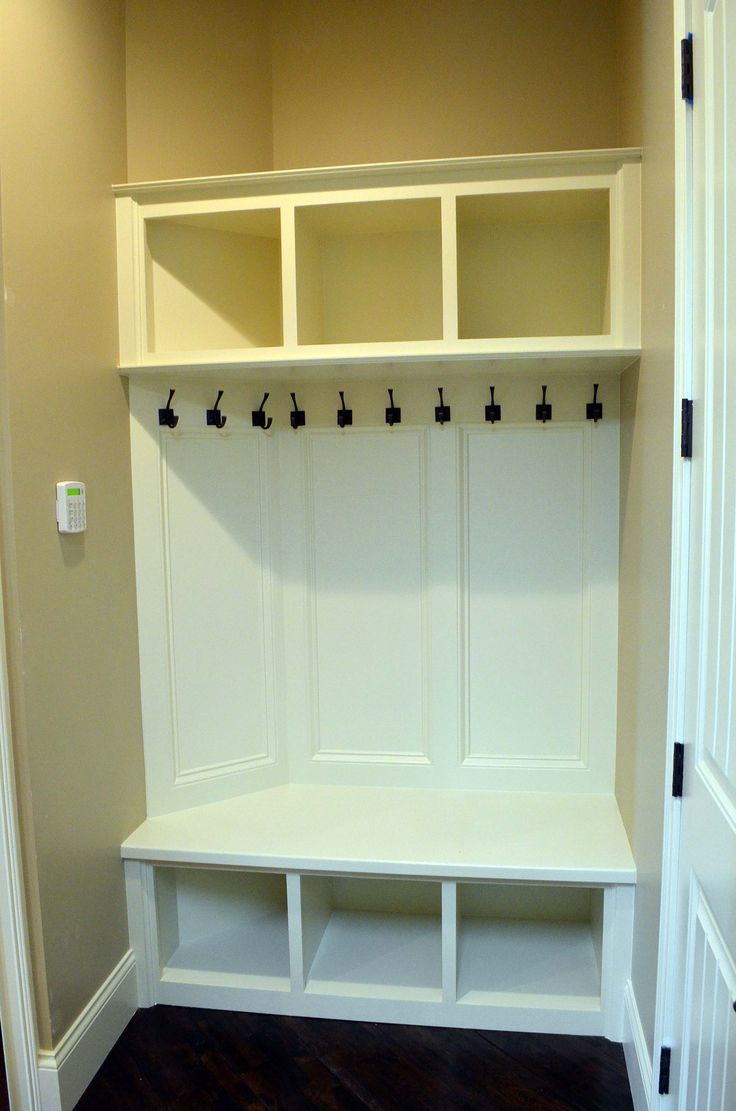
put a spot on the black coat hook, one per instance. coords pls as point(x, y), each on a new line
point(258, 418)
point(544, 411)
point(344, 416)
point(167, 415)
point(493, 411)
point(393, 413)
point(441, 411)
point(297, 416)
point(214, 416)
point(594, 408)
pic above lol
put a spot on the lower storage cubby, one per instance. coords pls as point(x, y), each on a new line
point(227, 928)
point(372, 938)
point(528, 945)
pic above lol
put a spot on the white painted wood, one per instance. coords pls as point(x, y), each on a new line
point(449, 941)
point(540, 600)
point(365, 263)
point(143, 929)
point(613, 934)
point(205, 603)
point(17, 1005)
point(533, 264)
point(504, 962)
point(527, 941)
point(704, 1048)
point(65, 1072)
point(531, 1019)
point(367, 579)
point(477, 834)
point(369, 271)
point(295, 917)
point(636, 1052)
point(231, 928)
point(626, 257)
point(214, 283)
point(458, 169)
point(379, 955)
point(379, 949)
point(589, 355)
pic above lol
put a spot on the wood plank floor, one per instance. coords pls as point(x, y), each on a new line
point(181, 1059)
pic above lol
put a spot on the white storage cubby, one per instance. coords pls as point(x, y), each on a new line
point(374, 938)
point(222, 926)
point(519, 943)
point(369, 272)
point(534, 264)
point(297, 271)
point(213, 281)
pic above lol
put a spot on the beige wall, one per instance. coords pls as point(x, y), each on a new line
point(364, 81)
point(198, 87)
point(71, 600)
point(646, 483)
point(377, 80)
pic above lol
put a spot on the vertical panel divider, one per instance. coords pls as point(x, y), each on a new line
point(449, 267)
point(296, 946)
point(288, 275)
point(449, 941)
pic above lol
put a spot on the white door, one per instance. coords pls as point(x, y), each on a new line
point(704, 1053)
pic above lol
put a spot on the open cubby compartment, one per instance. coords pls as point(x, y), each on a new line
point(369, 272)
point(529, 945)
point(213, 280)
point(223, 927)
point(375, 938)
point(534, 263)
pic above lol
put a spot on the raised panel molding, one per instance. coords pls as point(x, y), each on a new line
point(709, 1041)
point(219, 604)
point(367, 572)
point(525, 601)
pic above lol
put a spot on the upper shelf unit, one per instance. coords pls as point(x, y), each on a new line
point(523, 257)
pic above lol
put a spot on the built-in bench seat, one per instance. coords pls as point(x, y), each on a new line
point(478, 909)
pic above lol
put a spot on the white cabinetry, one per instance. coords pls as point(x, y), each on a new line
point(470, 258)
point(379, 662)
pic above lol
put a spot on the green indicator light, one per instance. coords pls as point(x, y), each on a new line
point(72, 493)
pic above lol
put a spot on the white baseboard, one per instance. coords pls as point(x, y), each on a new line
point(638, 1063)
point(65, 1072)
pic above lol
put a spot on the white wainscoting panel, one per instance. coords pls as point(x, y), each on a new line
point(708, 1081)
point(206, 605)
point(526, 592)
point(368, 595)
point(219, 604)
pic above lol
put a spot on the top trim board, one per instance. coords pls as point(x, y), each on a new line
point(379, 174)
point(524, 836)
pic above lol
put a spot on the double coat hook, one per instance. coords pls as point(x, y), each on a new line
point(544, 411)
point(258, 417)
point(594, 408)
point(344, 416)
point(441, 411)
point(167, 416)
point(297, 416)
point(214, 416)
point(393, 412)
point(493, 411)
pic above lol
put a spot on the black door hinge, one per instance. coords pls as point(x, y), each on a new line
point(686, 55)
point(686, 433)
point(665, 1058)
point(678, 770)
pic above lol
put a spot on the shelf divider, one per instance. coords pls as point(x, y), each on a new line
point(449, 941)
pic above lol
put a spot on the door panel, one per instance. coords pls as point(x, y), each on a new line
point(707, 880)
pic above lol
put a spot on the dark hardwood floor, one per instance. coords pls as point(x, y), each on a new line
point(190, 1060)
